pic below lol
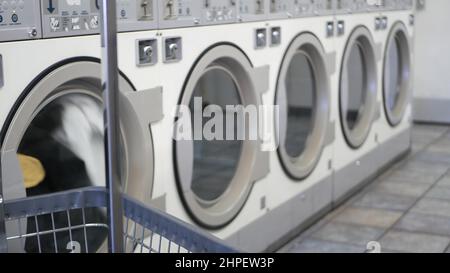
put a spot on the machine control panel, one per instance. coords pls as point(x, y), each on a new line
point(375, 5)
point(178, 13)
point(253, 10)
point(173, 9)
point(219, 11)
point(325, 7)
point(34, 19)
point(398, 4)
point(19, 20)
point(361, 6)
point(62, 18)
point(184, 13)
point(303, 8)
point(136, 15)
point(281, 9)
point(354, 6)
point(344, 6)
point(307, 8)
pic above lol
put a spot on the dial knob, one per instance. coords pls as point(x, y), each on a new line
point(33, 33)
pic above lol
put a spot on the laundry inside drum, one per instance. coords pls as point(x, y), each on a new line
point(216, 157)
point(301, 97)
point(63, 149)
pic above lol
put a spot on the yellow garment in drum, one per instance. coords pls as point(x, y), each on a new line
point(33, 171)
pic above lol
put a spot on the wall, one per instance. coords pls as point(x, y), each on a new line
point(432, 63)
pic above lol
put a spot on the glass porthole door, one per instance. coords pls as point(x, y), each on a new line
point(397, 74)
point(358, 88)
point(215, 161)
point(215, 173)
point(303, 95)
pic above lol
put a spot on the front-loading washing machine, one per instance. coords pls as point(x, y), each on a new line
point(302, 59)
point(395, 78)
point(211, 59)
point(51, 113)
point(356, 101)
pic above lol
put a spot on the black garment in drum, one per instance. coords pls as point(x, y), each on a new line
point(64, 171)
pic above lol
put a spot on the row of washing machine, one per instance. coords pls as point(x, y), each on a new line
point(338, 70)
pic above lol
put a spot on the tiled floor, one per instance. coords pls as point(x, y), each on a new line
point(407, 209)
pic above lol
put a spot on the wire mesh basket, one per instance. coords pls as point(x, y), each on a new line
point(64, 223)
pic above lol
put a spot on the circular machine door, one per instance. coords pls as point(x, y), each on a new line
point(396, 74)
point(304, 100)
point(216, 171)
point(358, 87)
point(55, 142)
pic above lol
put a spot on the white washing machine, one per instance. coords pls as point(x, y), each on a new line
point(302, 59)
point(395, 77)
point(356, 108)
point(52, 115)
point(210, 61)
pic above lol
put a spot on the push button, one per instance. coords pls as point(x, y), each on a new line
point(1, 19)
point(15, 18)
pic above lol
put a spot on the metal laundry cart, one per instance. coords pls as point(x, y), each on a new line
point(130, 226)
point(145, 230)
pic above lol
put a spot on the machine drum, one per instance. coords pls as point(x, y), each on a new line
point(67, 138)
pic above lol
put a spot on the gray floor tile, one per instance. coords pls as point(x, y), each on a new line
point(414, 176)
point(425, 136)
point(417, 147)
point(429, 129)
point(425, 223)
point(352, 234)
point(368, 217)
point(414, 242)
point(445, 181)
point(430, 206)
point(386, 201)
point(424, 167)
point(413, 164)
point(423, 139)
point(439, 192)
point(446, 137)
point(443, 145)
point(434, 157)
point(402, 188)
point(320, 246)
